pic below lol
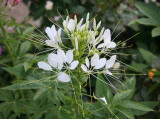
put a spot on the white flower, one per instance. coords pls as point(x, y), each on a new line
point(109, 64)
point(53, 35)
point(49, 5)
point(95, 62)
point(107, 40)
point(57, 61)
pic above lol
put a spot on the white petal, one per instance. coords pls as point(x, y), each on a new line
point(63, 77)
point(59, 31)
point(49, 33)
point(87, 62)
point(111, 45)
point(97, 40)
point(53, 59)
point(100, 64)
point(84, 68)
point(60, 66)
point(108, 72)
point(62, 55)
point(69, 55)
point(50, 43)
point(45, 66)
point(53, 30)
point(82, 27)
point(110, 62)
point(94, 59)
point(79, 24)
point(71, 25)
point(103, 99)
point(74, 64)
point(101, 45)
point(107, 36)
point(76, 43)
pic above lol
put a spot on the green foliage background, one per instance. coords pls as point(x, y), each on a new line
point(25, 95)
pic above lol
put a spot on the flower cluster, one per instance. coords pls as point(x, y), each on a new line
point(86, 43)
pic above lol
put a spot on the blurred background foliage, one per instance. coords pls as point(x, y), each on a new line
point(126, 18)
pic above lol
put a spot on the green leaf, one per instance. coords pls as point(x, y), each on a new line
point(147, 21)
point(17, 71)
point(156, 32)
point(134, 105)
point(34, 84)
point(129, 84)
point(139, 66)
point(126, 112)
point(27, 66)
point(147, 55)
point(40, 93)
point(103, 90)
point(149, 104)
point(25, 46)
point(146, 10)
point(120, 96)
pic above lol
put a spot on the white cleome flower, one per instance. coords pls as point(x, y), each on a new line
point(107, 40)
point(95, 62)
point(57, 61)
point(49, 5)
point(53, 35)
point(109, 64)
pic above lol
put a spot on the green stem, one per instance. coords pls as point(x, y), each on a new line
point(5, 41)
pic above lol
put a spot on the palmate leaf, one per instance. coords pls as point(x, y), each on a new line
point(134, 105)
point(146, 10)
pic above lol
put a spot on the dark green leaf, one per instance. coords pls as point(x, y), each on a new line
point(121, 95)
point(134, 105)
point(147, 11)
point(25, 46)
point(126, 112)
point(147, 55)
point(103, 90)
point(149, 104)
point(156, 32)
point(146, 21)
